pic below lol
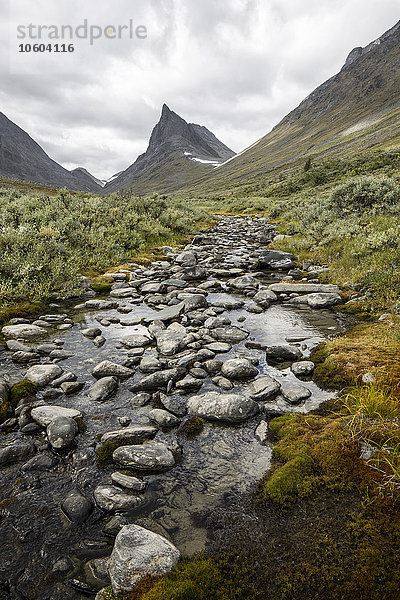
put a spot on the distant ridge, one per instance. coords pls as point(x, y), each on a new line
point(22, 158)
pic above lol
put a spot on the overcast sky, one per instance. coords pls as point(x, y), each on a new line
point(235, 66)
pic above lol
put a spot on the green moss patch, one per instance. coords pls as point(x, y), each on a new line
point(191, 427)
point(22, 389)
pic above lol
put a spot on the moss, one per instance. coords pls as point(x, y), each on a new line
point(198, 579)
point(4, 408)
point(312, 451)
point(22, 389)
point(82, 427)
point(191, 427)
point(105, 451)
point(357, 310)
point(102, 284)
point(20, 310)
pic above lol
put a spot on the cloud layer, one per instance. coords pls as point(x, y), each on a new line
point(236, 66)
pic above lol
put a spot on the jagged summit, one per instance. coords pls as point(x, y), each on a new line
point(177, 152)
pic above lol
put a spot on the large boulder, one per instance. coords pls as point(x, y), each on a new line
point(214, 406)
point(284, 352)
point(232, 335)
point(137, 553)
point(61, 432)
point(45, 414)
point(110, 369)
point(171, 340)
point(110, 498)
point(274, 259)
point(151, 456)
point(238, 368)
point(103, 389)
point(23, 332)
point(42, 375)
point(264, 387)
point(155, 381)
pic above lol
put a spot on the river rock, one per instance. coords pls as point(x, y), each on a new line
point(42, 462)
point(215, 406)
point(130, 435)
point(274, 259)
point(163, 418)
point(151, 456)
point(323, 300)
point(171, 340)
point(246, 282)
point(284, 352)
point(155, 381)
point(139, 552)
point(110, 498)
point(232, 334)
point(91, 332)
point(303, 288)
point(23, 332)
point(238, 368)
point(43, 374)
point(109, 369)
point(193, 302)
point(127, 481)
point(174, 404)
point(193, 273)
point(61, 432)
point(45, 414)
point(16, 452)
point(302, 368)
point(103, 389)
point(71, 387)
point(262, 432)
point(294, 393)
point(76, 507)
point(263, 388)
point(265, 297)
point(186, 259)
point(136, 340)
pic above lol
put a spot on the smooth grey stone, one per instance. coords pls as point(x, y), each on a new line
point(264, 387)
point(76, 507)
point(45, 414)
point(231, 408)
point(71, 387)
point(155, 380)
point(110, 498)
point(42, 375)
point(103, 389)
point(42, 462)
point(283, 352)
point(163, 418)
point(137, 553)
point(302, 368)
point(151, 456)
point(294, 393)
point(16, 452)
point(238, 368)
point(109, 369)
point(61, 432)
point(131, 483)
point(229, 334)
point(303, 288)
point(23, 332)
point(130, 435)
point(262, 432)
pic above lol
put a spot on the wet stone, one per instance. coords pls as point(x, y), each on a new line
point(152, 456)
point(110, 498)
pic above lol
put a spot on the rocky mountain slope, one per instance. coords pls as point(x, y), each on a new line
point(22, 158)
point(358, 108)
point(177, 152)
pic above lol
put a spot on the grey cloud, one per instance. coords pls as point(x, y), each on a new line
point(236, 66)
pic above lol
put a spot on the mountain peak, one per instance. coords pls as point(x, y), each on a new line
point(165, 110)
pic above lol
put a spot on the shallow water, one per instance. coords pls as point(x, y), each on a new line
point(34, 532)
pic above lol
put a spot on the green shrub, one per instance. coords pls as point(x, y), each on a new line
point(361, 194)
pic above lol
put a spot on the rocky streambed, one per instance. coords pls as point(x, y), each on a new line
point(149, 406)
